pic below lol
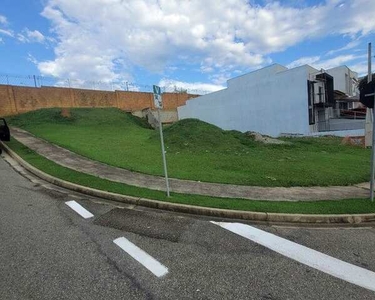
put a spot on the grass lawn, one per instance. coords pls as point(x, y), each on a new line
point(199, 151)
point(354, 206)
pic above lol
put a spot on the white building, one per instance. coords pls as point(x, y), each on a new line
point(274, 100)
point(345, 80)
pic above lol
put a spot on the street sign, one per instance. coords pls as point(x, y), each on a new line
point(367, 94)
point(158, 100)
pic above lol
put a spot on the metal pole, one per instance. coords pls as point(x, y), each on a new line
point(369, 79)
point(34, 81)
point(369, 64)
point(372, 155)
point(163, 153)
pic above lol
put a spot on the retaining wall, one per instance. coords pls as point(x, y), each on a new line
point(18, 99)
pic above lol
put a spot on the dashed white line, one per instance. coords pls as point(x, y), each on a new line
point(307, 256)
point(142, 257)
point(79, 209)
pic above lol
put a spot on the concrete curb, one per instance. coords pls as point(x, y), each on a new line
point(198, 210)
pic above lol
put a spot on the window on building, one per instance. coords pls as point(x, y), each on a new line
point(310, 99)
point(320, 94)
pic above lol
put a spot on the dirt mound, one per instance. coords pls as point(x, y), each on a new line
point(264, 138)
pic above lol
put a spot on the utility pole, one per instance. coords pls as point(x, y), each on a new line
point(369, 79)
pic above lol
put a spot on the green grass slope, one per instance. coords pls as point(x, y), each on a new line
point(199, 136)
point(197, 150)
point(354, 206)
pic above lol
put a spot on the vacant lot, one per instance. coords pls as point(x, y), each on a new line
point(199, 151)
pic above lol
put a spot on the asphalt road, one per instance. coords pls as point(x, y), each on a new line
point(48, 251)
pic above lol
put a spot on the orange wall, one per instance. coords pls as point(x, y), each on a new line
point(18, 99)
point(131, 101)
point(7, 104)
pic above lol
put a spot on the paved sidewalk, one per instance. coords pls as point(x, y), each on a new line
point(74, 161)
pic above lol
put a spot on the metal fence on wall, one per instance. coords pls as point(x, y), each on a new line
point(38, 81)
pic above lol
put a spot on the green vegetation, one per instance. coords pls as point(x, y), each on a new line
point(199, 151)
point(320, 207)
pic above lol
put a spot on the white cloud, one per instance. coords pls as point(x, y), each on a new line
point(219, 36)
point(221, 78)
point(4, 30)
point(348, 46)
point(35, 35)
point(361, 67)
point(337, 61)
point(319, 63)
point(190, 87)
point(7, 32)
point(3, 20)
point(25, 36)
point(32, 59)
point(31, 36)
point(307, 60)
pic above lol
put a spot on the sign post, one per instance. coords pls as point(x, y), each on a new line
point(369, 79)
point(158, 102)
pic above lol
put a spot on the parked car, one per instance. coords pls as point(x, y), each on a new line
point(4, 131)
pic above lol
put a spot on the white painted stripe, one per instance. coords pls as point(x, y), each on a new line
point(142, 257)
point(307, 256)
point(79, 209)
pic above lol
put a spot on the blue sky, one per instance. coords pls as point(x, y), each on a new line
point(191, 44)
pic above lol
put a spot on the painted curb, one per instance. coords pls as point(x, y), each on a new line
point(198, 210)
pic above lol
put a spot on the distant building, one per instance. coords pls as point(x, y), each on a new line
point(346, 93)
point(346, 80)
point(276, 100)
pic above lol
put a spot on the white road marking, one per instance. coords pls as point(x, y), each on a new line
point(307, 256)
point(79, 209)
point(142, 257)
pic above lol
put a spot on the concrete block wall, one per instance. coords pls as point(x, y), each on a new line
point(7, 103)
point(18, 99)
point(132, 101)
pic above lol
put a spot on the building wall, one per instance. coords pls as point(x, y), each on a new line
point(271, 101)
point(17, 99)
point(341, 133)
point(266, 73)
point(167, 116)
point(343, 80)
